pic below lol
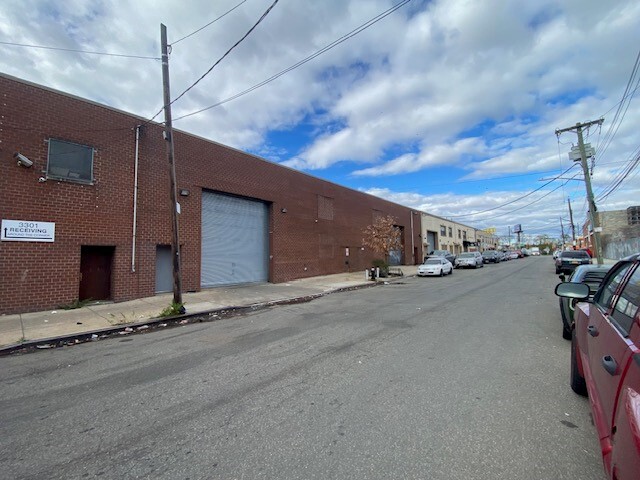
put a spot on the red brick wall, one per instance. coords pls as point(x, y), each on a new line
point(37, 276)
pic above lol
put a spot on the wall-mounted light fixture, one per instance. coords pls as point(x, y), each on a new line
point(22, 160)
point(184, 192)
point(283, 210)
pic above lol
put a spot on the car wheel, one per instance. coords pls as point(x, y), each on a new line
point(578, 384)
point(442, 272)
point(451, 271)
point(557, 270)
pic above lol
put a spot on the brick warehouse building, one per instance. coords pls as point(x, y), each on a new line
point(243, 219)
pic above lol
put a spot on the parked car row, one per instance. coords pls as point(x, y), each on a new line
point(443, 262)
point(600, 313)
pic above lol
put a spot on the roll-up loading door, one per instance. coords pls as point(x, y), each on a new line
point(235, 240)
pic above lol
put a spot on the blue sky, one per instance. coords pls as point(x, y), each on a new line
point(444, 106)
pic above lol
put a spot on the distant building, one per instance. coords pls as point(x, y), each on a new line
point(620, 234)
point(439, 233)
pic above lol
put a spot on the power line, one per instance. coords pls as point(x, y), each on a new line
point(78, 51)
point(324, 49)
point(524, 206)
point(267, 11)
point(621, 177)
point(517, 199)
point(623, 104)
point(527, 205)
point(491, 178)
point(617, 179)
point(210, 23)
point(217, 62)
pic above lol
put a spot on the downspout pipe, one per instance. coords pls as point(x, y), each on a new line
point(135, 202)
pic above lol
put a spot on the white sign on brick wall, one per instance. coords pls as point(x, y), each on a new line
point(27, 231)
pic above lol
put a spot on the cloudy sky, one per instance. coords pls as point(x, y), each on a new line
point(447, 106)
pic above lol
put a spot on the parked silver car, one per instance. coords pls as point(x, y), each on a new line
point(469, 259)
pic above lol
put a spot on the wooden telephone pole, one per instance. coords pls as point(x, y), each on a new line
point(168, 136)
point(573, 227)
point(594, 220)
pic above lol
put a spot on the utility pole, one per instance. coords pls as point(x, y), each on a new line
point(168, 136)
point(562, 232)
point(593, 216)
point(573, 227)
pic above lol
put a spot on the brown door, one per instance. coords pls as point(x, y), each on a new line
point(95, 273)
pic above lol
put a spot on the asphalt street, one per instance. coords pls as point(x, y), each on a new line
point(461, 377)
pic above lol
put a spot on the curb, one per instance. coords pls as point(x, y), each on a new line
point(153, 324)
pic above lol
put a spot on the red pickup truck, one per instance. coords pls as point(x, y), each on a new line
point(605, 363)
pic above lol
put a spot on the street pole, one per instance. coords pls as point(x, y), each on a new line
point(413, 253)
point(593, 216)
point(562, 230)
point(573, 227)
point(168, 134)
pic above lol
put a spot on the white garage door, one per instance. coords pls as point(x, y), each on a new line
point(235, 240)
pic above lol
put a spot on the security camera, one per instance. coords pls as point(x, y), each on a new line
point(23, 161)
point(42, 179)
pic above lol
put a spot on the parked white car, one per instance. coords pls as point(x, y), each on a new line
point(435, 266)
point(469, 259)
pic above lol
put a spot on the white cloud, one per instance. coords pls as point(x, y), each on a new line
point(436, 156)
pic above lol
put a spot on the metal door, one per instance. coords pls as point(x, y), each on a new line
point(164, 269)
point(95, 272)
point(235, 241)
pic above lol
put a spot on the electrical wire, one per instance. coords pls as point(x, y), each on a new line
point(519, 198)
point(324, 49)
point(79, 51)
point(624, 103)
point(264, 15)
point(621, 177)
point(208, 24)
point(215, 64)
point(561, 162)
point(629, 165)
point(490, 178)
point(525, 206)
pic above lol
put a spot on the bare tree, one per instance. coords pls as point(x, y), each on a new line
point(383, 236)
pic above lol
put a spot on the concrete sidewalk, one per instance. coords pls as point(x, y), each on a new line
point(55, 327)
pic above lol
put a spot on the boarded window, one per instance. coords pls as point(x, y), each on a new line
point(325, 208)
point(325, 246)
